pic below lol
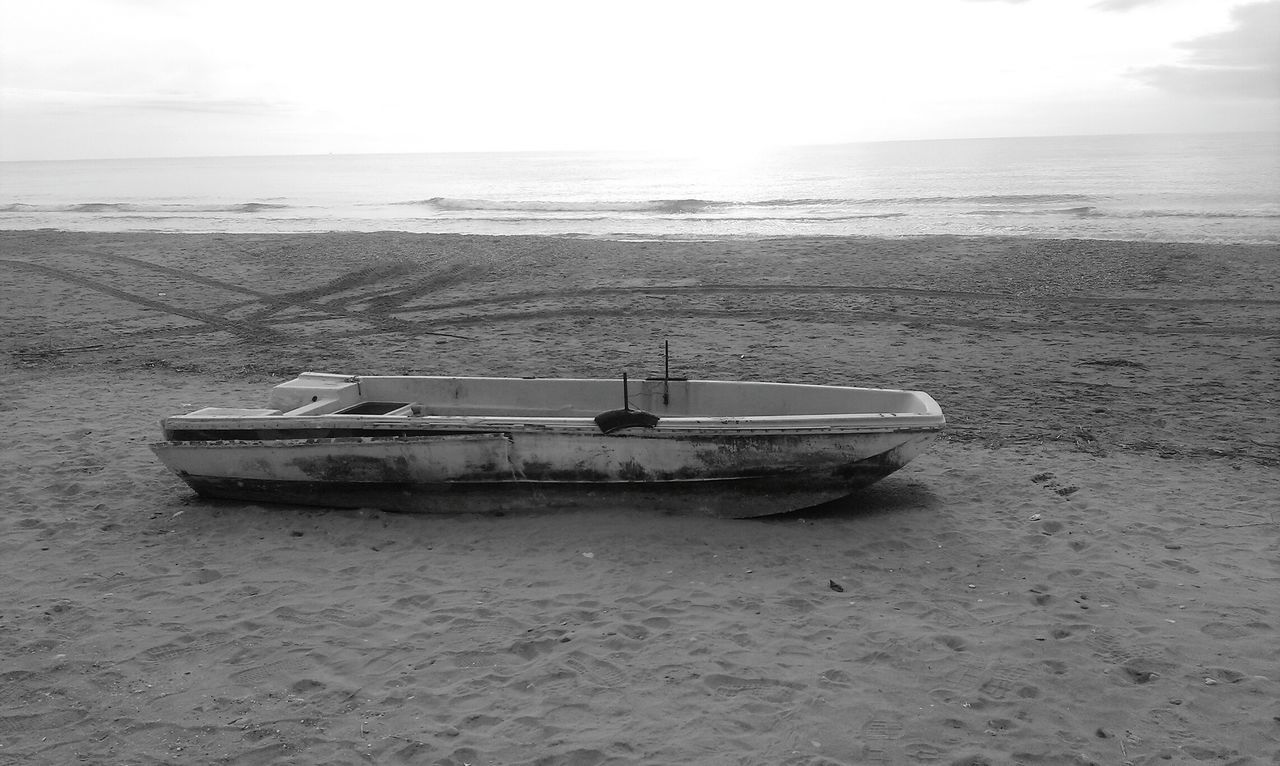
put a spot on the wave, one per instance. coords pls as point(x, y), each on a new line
point(994, 199)
point(1084, 211)
point(693, 206)
point(1193, 214)
point(815, 218)
point(1090, 211)
point(669, 206)
point(133, 207)
point(718, 219)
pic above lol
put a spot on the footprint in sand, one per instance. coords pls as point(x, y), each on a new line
point(1138, 674)
point(180, 648)
point(732, 686)
point(634, 632)
point(1107, 647)
point(596, 671)
point(1006, 682)
point(202, 577)
point(1050, 482)
point(1225, 675)
point(557, 685)
point(966, 676)
point(1222, 630)
point(924, 752)
point(261, 674)
point(1225, 630)
point(1139, 665)
point(883, 727)
point(1056, 667)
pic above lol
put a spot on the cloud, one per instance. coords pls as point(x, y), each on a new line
point(1213, 81)
point(69, 101)
point(1241, 61)
point(1123, 5)
point(189, 103)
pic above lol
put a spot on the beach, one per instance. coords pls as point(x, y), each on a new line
point(1084, 569)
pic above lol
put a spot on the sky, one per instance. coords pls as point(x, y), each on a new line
point(88, 79)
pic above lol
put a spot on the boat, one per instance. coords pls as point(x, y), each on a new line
point(437, 444)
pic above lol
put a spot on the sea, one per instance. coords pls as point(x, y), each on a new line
point(1219, 188)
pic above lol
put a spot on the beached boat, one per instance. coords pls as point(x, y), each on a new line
point(450, 444)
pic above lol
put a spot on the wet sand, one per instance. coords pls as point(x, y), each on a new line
point(1084, 570)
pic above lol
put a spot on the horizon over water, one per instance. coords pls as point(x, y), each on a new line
point(1220, 188)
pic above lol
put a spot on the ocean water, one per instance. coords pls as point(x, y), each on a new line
point(1222, 188)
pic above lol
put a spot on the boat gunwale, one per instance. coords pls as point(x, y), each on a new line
point(673, 426)
point(614, 381)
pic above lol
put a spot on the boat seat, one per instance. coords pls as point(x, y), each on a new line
point(231, 412)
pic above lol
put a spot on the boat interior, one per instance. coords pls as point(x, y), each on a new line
point(325, 394)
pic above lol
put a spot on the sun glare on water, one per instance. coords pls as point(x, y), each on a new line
point(726, 163)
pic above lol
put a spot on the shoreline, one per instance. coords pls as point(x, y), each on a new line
point(638, 238)
point(1083, 571)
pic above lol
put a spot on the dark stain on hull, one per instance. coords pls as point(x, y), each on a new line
point(336, 469)
point(344, 483)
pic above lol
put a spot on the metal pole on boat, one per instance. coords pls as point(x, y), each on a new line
point(666, 372)
point(626, 399)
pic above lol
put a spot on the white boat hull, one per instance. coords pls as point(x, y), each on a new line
point(725, 466)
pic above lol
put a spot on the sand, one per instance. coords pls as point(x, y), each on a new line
point(1086, 569)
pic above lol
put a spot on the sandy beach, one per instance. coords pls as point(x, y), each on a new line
point(1084, 570)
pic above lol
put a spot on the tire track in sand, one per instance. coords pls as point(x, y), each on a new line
point(253, 326)
point(821, 315)
point(243, 329)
